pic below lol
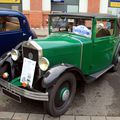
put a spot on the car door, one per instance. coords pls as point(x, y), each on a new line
point(103, 45)
point(11, 33)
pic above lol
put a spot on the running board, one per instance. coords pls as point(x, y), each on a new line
point(95, 76)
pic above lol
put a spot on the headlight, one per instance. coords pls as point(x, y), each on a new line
point(15, 54)
point(43, 64)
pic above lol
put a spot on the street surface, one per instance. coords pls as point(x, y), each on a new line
point(100, 98)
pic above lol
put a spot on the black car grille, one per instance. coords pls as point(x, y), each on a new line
point(33, 55)
point(30, 53)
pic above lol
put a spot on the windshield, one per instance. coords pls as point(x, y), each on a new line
point(81, 26)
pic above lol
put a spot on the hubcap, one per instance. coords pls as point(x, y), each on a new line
point(65, 93)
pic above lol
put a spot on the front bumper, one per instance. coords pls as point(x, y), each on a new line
point(22, 92)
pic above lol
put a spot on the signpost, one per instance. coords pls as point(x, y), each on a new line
point(114, 3)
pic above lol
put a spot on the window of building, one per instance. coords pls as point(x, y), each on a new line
point(65, 5)
point(9, 23)
point(104, 28)
point(72, 8)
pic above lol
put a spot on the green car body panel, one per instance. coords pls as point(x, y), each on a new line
point(66, 48)
point(90, 55)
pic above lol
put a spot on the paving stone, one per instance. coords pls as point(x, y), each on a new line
point(6, 115)
point(82, 117)
point(35, 117)
point(98, 118)
point(112, 118)
point(5, 119)
point(20, 116)
point(48, 117)
point(67, 117)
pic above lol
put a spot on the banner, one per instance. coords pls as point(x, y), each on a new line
point(10, 1)
point(114, 3)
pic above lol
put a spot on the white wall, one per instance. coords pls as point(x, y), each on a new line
point(46, 5)
point(83, 5)
point(103, 6)
point(26, 5)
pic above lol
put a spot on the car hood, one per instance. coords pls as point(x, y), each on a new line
point(57, 40)
point(61, 48)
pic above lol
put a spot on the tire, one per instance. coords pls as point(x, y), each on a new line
point(61, 95)
point(116, 63)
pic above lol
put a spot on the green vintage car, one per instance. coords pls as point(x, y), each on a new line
point(80, 47)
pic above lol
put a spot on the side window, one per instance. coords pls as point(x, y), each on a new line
point(9, 24)
point(104, 28)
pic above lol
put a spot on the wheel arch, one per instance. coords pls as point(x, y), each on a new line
point(53, 74)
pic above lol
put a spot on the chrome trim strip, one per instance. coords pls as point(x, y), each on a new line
point(81, 57)
point(22, 92)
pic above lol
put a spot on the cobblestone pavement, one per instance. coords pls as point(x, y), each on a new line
point(41, 32)
point(95, 101)
point(27, 116)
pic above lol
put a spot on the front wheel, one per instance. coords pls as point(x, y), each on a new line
point(61, 95)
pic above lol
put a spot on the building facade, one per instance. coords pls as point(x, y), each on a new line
point(37, 10)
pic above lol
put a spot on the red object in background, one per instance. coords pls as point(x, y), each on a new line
point(5, 75)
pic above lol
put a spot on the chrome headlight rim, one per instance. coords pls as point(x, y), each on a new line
point(43, 63)
point(15, 54)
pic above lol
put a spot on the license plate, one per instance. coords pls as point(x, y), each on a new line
point(12, 95)
point(28, 71)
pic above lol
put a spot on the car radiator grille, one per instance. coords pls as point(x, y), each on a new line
point(33, 55)
point(30, 53)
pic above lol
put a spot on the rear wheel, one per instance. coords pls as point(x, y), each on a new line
point(116, 63)
point(61, 95)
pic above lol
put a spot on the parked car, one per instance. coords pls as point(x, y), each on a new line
point(80, 47)
point(14, 28)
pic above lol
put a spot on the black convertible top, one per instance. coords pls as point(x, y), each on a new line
point(90, 15)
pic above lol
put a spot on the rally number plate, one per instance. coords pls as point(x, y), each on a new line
point(28, 71)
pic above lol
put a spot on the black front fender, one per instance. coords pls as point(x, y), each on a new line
point(6, 60)
point(53, 74)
